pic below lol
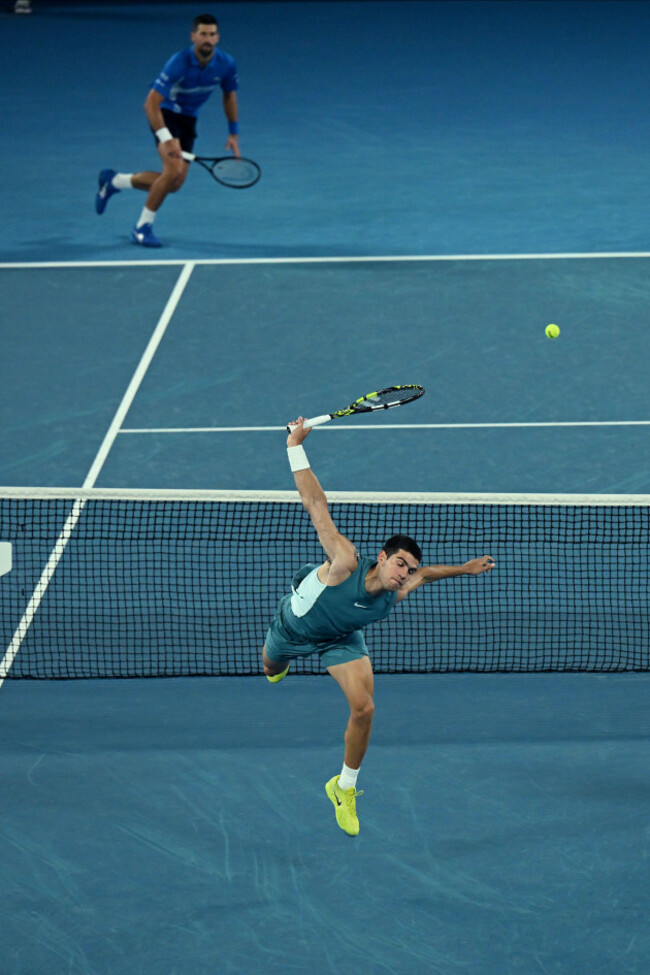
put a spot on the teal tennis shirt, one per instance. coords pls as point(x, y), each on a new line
point(317, 613)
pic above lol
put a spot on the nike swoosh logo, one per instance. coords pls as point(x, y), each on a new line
point(361, 606)
point(338, 803)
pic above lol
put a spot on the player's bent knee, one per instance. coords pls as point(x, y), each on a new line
point(363, 709)
point(174, 173)
point(272, 667)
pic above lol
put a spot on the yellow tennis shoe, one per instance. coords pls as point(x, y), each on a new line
point(278, 677)
point(345, 803)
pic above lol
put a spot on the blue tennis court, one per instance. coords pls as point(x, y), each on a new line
point(522, 414)
point(440, 181)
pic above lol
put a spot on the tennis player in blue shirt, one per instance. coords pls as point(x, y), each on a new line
point(172, 107)
point(328, 608)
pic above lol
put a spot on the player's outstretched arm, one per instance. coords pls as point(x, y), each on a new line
point(340, 551)
point(231, 111)
point(434, 573)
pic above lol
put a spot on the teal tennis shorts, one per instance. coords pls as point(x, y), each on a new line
point(280, 646)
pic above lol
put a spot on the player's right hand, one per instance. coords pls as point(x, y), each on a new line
point(297, 432)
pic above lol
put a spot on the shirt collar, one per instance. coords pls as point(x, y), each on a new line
point(195, 61)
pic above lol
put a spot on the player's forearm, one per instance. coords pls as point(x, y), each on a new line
point(432, 573)
point(474, 567)
point(230, 106)
point(310, 491)
point(435, 573)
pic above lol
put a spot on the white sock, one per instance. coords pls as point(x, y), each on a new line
point(122, 181)
point(147, 216)
point(348, 777)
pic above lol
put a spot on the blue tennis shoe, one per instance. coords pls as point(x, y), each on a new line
point(106, 189)
point(145, 236)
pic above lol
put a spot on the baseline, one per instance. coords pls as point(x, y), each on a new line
point(397, 258)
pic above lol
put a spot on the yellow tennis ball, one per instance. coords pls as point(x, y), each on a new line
point(552, 331)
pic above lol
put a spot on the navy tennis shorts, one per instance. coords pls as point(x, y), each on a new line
point(182, 127)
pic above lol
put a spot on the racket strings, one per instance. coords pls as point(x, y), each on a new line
point(389, 397)
point(235, 172)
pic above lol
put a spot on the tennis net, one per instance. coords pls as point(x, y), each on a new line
point(133, 584)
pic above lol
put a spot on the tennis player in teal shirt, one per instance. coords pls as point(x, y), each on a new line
point(328, 608)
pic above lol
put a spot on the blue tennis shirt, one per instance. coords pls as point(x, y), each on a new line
point(185, 85)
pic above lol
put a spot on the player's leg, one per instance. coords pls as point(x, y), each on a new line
point(170, 180)
point(144, 180)
point(279, 650)
point(275, 670)
point(111, 182)
point(157, 185)
point(356, 680)
point(174, 167)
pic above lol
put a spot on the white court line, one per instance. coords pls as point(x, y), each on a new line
point(139, 374)
point(72, 519)
point(397, 426)
point(563, 256)
point(35, 601)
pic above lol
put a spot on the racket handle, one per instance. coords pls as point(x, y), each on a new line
point(316, 422)
point(188, 155)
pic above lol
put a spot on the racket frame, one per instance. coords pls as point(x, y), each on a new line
point(208, 163)
point(362, 405)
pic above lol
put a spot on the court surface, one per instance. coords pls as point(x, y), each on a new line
point(440, 181)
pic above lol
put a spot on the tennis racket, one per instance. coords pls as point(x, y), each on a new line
point(385, 399)
point(238, 173)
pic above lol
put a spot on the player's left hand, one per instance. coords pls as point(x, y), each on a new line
point(484, 564)
point(232, 142)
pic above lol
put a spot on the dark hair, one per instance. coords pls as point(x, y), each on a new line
point(203, 19)
point(397, 542)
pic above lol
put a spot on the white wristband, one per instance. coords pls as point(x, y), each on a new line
point(297, 458)
point(163, 135)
